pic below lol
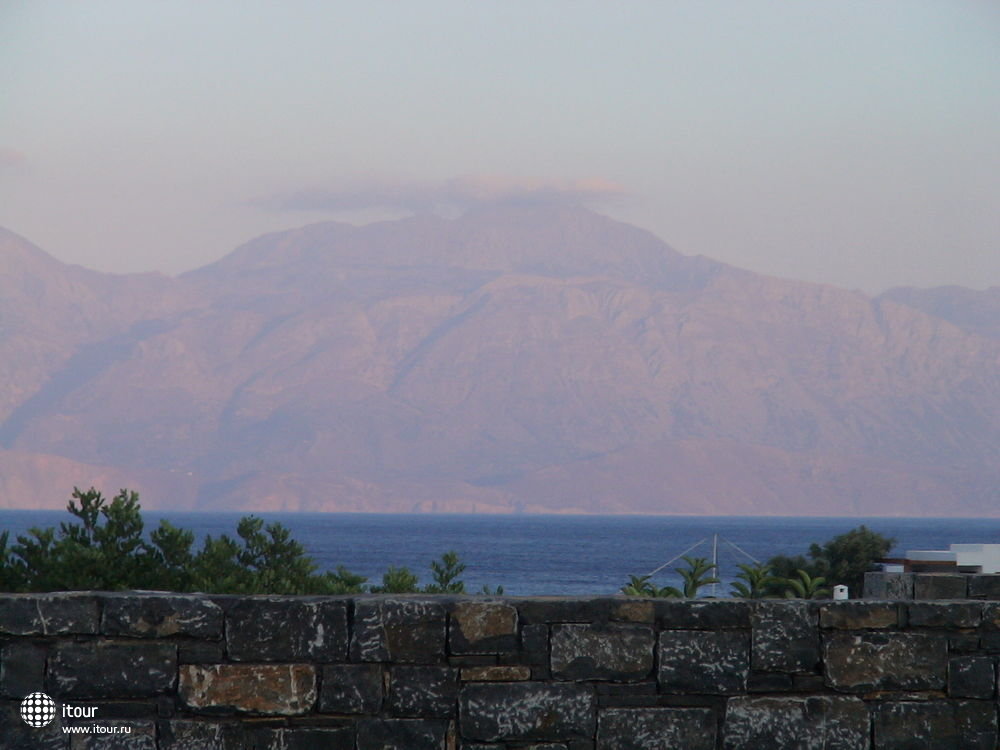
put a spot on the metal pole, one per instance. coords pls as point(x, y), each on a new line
point(715, 562)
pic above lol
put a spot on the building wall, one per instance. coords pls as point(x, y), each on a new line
point(377, 672)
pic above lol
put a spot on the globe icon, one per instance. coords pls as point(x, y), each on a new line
point(38, 709)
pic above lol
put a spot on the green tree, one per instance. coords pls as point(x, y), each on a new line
point(445, 574)
point(696, 575)
point(805, 586)
point(755, 581)
point(397, 581)
point(846, 558)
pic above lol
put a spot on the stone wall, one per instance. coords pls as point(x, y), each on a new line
point(371, 673)
point(930, 586)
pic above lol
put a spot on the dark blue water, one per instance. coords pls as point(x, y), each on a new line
point(533, 555)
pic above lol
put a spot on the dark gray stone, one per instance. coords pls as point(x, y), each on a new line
point(940, 586)
point(944, 614)
point(16, 735)
point(22, 670)
point(889, 586)
point(403, 630)
point(534, 645)
point(422, 692)
point(200, 652)
point(984, 587)
point(553, 609)
point(885, 661)
point(312, 738)
point(859, 615)
point(111, 670)
point(698, 614)
point(402, 734)
point(656, 729)
point(971, 677)
point(796, 723)
point(141, 736)
point(161, 616)
point(287, 629)
point(49, 614)
point(696, 661)
point(935, 725)
point(482, 628)
point(527, 711)
point(602, 652)
point(184, 734)
point(991, 617)
point(785, 636)
point(351, 689)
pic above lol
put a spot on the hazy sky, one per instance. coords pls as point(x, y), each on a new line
point(855, 143)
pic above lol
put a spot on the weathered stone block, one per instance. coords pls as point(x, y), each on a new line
point(940, 586)
point(693, 661)
point(161, 616)
point(944, 614)
point(888, 586)
point(526, 711)
point(885, 661)
point(496, 674)
point(482, 628)
point(49, 614)
point(141, 736)
point(422, 692)
point(185, 734)
point(111, 670)
point(635, 610)
point(934, 725)
point(200, 652)
point(351, 689)
point(984, 587)
point(313, 738)
point(281, 689)
point(553, 609)
point(971, 677)
point(287, 629)
point(810, 723)
point(402, 734)
point(602, 652)
point(991, 616)
point(22, 669)
point(785, 636)
point(656, 729)
point(688, 614)
point(400, 630)
point(859, 615)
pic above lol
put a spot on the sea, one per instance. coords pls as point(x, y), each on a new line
point(535, 555)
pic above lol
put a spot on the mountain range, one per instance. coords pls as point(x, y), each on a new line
point(515, 359)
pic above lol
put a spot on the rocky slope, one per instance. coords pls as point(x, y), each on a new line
point(516, 359)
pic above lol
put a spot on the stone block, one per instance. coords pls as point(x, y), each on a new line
point(516, 711)
point(553, 609)
point(161, 616)
point(422, 692)
point(200, 652)
point(944, 614)
point(859, 615)
point(398, 630)
point(49, 614)
point(512, 673)
point(22, 670)
point(940, 586)
point(694, 661)
point(696, 614)
point(785, 636)
point(275, 689)
point(402, 734)
point(482, 628)
point(17, 735)
point(984, 587)
point(656, 729)
point(888, 586)
point(971, 677)
point(635, 610)
point(287, 629)
point(796, 723)
point(935, 725)
point(991, 616)
point(111, 670)
point(311, 738)
point(185, 734)
point(602, 652)
point(351, 689)
point(885, 661)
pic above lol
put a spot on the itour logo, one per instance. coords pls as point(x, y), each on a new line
point(38, 710)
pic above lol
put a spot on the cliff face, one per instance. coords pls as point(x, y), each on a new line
point(514, 359)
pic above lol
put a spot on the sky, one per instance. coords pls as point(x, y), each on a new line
point(845, 142)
